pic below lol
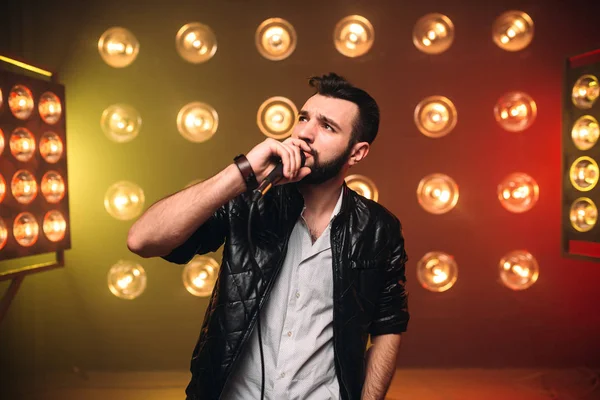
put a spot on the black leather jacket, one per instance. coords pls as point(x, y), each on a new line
point(368, 282)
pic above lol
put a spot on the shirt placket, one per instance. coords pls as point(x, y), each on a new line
point(287, 346)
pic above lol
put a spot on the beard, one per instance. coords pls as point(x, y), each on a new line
point(322, 172)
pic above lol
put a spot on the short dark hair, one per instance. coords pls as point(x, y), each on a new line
point(366, 124)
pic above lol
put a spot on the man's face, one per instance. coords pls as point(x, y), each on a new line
point(325, 124)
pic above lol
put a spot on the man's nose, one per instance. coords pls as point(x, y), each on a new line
point(307, 133)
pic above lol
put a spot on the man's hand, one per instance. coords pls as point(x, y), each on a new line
point(261, 159)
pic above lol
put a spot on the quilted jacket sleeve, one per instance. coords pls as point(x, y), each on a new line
point(207, 238)
point(392, 313)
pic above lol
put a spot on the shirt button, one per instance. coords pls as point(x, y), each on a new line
point(297, 294)
point(289, 333)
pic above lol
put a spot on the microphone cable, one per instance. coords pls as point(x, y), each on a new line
point(257, 271)
point(274, 176)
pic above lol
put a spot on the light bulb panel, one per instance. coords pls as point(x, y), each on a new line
point(33, 153)
point(580, 157)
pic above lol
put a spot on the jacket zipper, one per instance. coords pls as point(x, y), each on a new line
point(335, 297)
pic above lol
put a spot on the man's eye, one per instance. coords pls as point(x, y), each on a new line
point(327, 126)
point(301, 118)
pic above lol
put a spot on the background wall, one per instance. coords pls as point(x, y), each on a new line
point(68, 318)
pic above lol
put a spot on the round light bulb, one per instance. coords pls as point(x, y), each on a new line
point(513, 30)
point(583, 214)
point(518, 270)
point(433, 33)
point(127, 279)
point(584, 173)
point(20, 102)
point(585, 132)
point(585, 91)
point(2, 142)
point(353, 36)
point(50, 108)
point(53, 187)
point(435, 116)
point(124, 200)
point(22, 144)
point(518, 192)
point(24, 187)
point(118, 47)
point(26, 229)
point(200, 275)
point(197, 122)
point(196, 43)
point(437, 271)
point(437, 193)
point(515, 111)
point(51, 147)
point(363, 186)
point(54, 226)
point(276, 117)
point(275, 39)
point(121, 123)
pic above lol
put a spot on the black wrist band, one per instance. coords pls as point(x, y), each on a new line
point(247, 172)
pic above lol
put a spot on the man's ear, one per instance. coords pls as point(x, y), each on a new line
point(359, 152)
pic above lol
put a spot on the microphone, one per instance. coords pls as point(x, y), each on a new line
point(274, 176)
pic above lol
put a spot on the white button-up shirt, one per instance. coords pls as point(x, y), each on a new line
point(296, 327)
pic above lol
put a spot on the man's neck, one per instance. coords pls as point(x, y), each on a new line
point(321, 199)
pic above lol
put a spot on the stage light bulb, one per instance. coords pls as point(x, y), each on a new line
point(518, 270)
point(513, 31)
point(127, 279)
point(24, 187)
point(51, 147)
point(276, 117)
point(585, 132)
point(121, 123)
point(585, 91)
point(435, 116)
point(584, 173)
point(353, 36)
point(437, 193)
point(1, 98)
point(54, 226)
point(124, 200)
point(275, 39)
point(50, 108)
point(26, 229)
point(2, 188)
point(437, 271)
point(20, 102)
point(515, 111)
point(118, 47)
point(197, 122)
point(3, 234)
point(200, 274)
point(22, 144)
point(433, 33)
point(363, 186)
point(2, 143)
point(53, 187)
point(196, 43)
point(583, 214)
point(518, 192)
